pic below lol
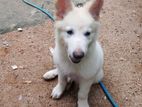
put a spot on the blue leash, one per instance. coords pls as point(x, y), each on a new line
point(108, 95)
point(40, 8)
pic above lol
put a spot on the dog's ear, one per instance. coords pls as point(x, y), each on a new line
point(62, 8)
point(94, 7)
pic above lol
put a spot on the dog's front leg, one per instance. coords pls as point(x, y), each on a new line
point(60, 87)
point(84, 88)
point(51, 74)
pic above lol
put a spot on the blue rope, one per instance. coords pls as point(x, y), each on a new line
point(108, 95)
point(40, 8)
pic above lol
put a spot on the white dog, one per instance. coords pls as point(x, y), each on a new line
point(77, 54)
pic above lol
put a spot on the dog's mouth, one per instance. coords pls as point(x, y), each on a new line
point(74, 60)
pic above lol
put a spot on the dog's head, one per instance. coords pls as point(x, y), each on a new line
point(77, 27)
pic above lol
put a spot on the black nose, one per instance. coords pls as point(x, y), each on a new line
point(78, 55)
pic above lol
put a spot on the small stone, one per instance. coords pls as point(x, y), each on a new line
point(138, 35)
point(21, 67)
point(19, 29)
point(29, 37)
point(126, 99)
point(20, 97)
point(28, 82)
point(14, 67)
point(122, 59)
point(105, 98)
point(5, 43)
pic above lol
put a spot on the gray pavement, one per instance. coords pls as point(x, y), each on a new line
point(15, 13)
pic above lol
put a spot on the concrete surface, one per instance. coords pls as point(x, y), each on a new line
point(15, 13)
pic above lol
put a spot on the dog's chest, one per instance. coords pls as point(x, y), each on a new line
point(70, 72)
point(77, 72)
point(73, 76)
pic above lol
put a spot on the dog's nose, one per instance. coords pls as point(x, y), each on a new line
point(78, 55)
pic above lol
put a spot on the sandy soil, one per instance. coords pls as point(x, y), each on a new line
point(121, 38)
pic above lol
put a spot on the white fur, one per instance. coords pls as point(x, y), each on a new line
point(90, 69)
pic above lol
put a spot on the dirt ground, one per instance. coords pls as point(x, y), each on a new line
point(121, 38)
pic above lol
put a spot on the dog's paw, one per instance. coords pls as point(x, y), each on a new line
point(83, 103)
point(57, 92)
point(50, 74)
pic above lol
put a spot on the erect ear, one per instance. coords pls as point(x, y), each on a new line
point(94, 7)
point(62, 8)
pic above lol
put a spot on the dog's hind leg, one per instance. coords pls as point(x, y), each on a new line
point(99, 76)
point(51, 74)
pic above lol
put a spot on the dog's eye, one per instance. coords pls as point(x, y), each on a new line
point(87, 33)
point(70, 32)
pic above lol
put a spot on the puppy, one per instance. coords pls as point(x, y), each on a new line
point(77, 54)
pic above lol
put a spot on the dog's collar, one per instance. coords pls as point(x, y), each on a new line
point(79, 5)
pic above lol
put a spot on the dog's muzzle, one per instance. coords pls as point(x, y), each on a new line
point(76, 57)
